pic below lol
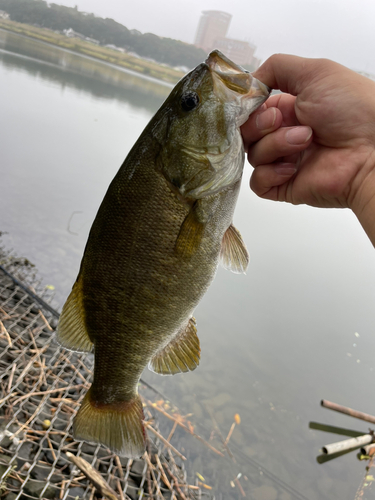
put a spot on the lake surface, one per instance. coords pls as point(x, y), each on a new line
point(299, 327)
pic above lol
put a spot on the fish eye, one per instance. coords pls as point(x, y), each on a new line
point(189, 101)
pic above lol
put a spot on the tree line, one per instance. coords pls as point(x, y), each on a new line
point(106, 31)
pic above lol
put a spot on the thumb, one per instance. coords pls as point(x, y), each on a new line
point(286, 73)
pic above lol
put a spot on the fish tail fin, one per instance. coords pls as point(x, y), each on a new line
point(119, 426)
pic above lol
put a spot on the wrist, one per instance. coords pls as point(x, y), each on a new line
point(363, 202)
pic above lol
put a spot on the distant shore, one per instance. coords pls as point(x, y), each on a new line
point(104, 54)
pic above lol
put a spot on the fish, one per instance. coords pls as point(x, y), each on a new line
point(161, 231)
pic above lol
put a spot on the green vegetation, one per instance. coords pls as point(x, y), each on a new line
point(104, 54)
point(106, 31)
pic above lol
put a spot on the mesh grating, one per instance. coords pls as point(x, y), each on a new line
point(41, 386)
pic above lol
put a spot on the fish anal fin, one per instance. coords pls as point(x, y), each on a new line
point(233, 254)
point(71, 330)
point(190, 235)
point(181, 355)
point(118, 426)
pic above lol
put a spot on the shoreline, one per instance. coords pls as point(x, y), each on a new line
point(90, 58)
point(122, 61)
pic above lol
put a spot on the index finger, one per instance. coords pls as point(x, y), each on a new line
point(285, 103)
point(284, 116)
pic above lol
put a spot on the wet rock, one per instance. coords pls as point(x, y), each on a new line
point(103, 452)
point(4, 463)
point(56, 440)
point(103, 467)
point(34, 488)
point(41, 472)
point(6, 435)
point(60, 424)
point(152, 451)
point(76, 492)
point(26, 452)
point(10, 496)
point(124, 461)
point(132, 489)
point(88, 448)
point(50, 458)
point(87, 456)
point(53, 322)
point(138, 467)
point(57, 477)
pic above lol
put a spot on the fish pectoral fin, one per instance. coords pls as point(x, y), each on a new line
point(182, 354)
point(71, 330)
point(190, 235)
point(233, 254)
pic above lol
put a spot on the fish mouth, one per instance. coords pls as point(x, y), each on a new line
point(237, 81)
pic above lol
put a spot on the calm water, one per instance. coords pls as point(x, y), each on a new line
point(274, 342)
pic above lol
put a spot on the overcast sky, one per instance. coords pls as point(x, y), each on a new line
point(342, 30)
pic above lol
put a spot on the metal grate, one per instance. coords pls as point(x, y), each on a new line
point(41, 386)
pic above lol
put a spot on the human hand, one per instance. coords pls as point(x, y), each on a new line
point(335, 166)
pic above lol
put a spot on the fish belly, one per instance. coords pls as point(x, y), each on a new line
point(138, 294)
point(138, 291)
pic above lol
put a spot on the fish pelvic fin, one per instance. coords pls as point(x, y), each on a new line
point(233, 254)
point(71, 330)
point(182, 354)
point(118, 426)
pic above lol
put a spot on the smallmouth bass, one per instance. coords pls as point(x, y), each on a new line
point(154, 247)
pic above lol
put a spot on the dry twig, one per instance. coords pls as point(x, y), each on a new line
point(4, 331)
point(164, 441)
point(153, 405)
point(93, 476)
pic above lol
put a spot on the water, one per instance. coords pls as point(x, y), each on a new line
point(274, 342)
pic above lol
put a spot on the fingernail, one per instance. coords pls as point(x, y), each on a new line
point(298, 135)
point(266, 119)
point(285, 169)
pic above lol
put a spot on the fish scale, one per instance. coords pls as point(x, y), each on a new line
point(154, 247)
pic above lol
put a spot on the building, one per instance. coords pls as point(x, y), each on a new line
point(211, 34)
point(70, 33)
point(238, 51)
point(213, 24)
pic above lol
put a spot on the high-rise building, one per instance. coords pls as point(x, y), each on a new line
point(237, 50)
point(213, 24)
point(211, 34)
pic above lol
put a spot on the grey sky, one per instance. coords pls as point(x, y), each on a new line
point(342, 30)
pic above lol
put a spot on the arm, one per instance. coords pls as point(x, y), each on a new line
point(319, 146)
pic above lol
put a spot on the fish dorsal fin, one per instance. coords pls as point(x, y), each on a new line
point(233, 254)
point(190, 234)
point(182, 354)
point(71, 330)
